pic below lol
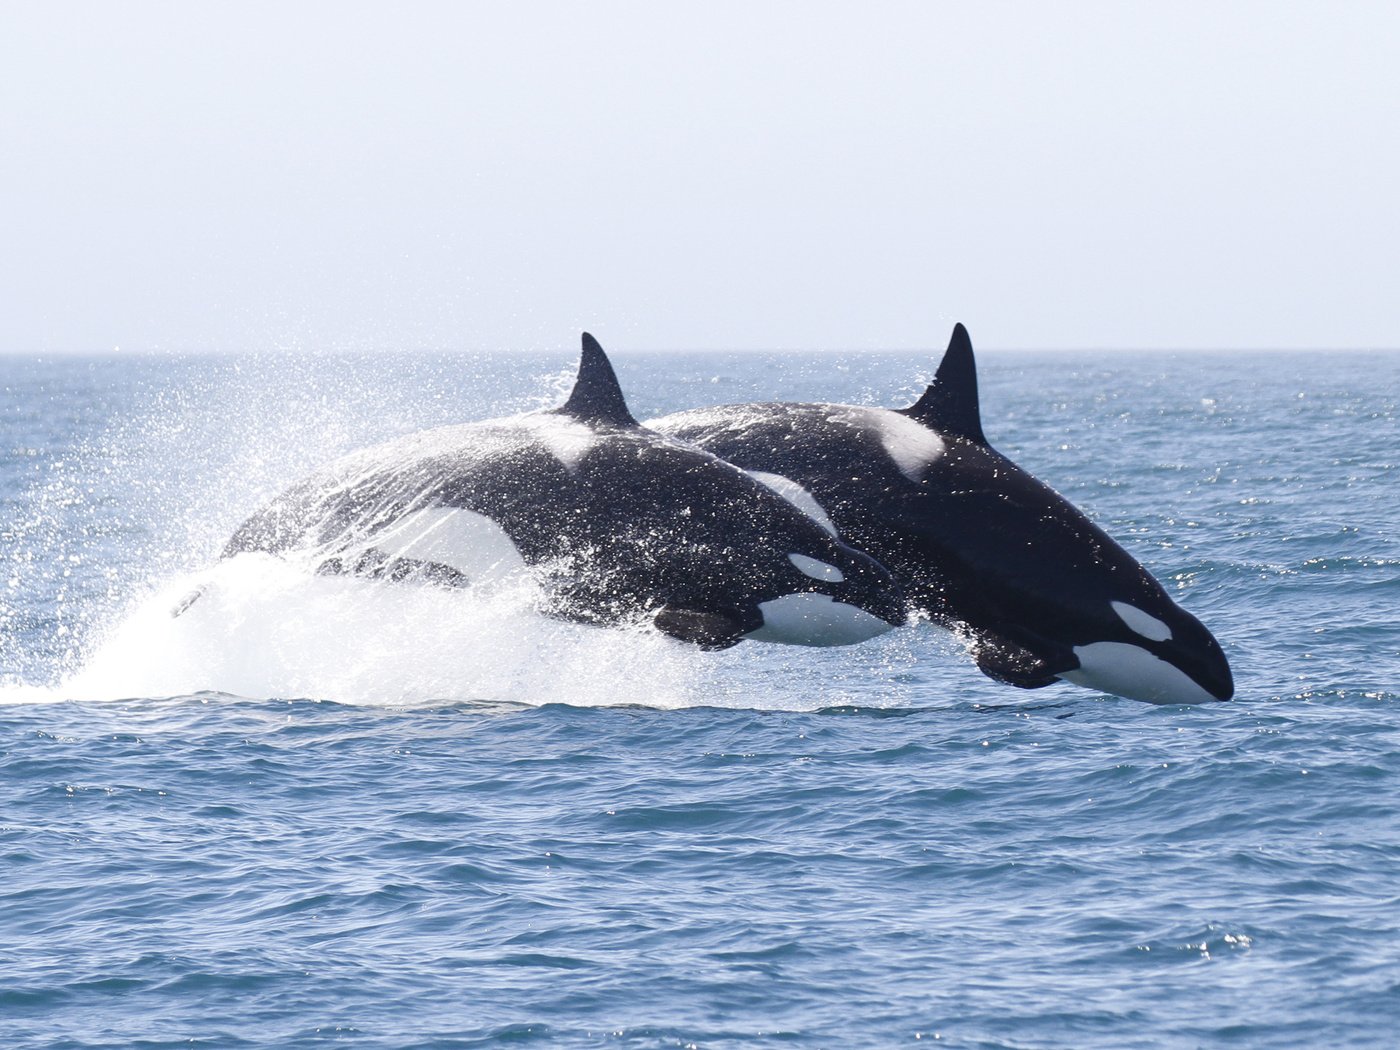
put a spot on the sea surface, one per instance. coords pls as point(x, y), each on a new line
point(344, 813)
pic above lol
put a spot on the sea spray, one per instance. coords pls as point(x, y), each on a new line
point(257, 626)
point(117, 480)
point(124, 514)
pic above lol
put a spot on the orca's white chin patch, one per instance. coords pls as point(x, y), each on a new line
point(815, 619)
point(1126, 670)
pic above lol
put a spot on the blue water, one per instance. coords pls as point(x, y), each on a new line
point(351, 818)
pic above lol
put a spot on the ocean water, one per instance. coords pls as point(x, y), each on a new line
point(339, 813)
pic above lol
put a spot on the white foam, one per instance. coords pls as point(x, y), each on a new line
point(267, 628)
point(264, 627)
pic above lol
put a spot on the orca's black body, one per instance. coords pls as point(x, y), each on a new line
point(976, 542)
point(615, 521)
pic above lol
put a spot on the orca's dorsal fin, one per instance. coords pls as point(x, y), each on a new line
point(597, 397)
point(949, 405)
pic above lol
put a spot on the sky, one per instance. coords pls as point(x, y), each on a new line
point(439, 176)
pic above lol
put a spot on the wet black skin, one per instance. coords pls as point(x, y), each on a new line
point(978, 544)
point(643, 525)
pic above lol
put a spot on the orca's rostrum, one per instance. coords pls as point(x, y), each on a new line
point(615, 522)
point(976, 542)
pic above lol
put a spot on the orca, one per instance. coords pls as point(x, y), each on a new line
point(613, 521)
point(979, 545)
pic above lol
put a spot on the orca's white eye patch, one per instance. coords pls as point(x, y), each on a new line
point(1142, 623)
point(818, 570)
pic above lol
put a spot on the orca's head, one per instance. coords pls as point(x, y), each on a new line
point(827, 594)
point(1045, 593)
point(1142, 646)
point(713, 553)
point(778, 575)
point(1168, 658)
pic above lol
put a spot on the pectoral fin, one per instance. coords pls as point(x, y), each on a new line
point(708, 630)
point(188, 600)
point(1003, 660)
point(373, 564)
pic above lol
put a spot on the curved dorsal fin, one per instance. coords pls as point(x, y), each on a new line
point(597, 397)
point(949, 405)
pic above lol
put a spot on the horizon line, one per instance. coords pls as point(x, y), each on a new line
point(158, 351)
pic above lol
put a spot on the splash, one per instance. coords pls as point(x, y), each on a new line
point(263, 627)
point(120, 512)
point(117, 476)
point(259, 627)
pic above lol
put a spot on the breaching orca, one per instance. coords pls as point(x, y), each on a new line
point(615, 521)
point(977, 543)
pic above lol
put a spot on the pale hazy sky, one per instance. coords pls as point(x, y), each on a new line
point(195, 175)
